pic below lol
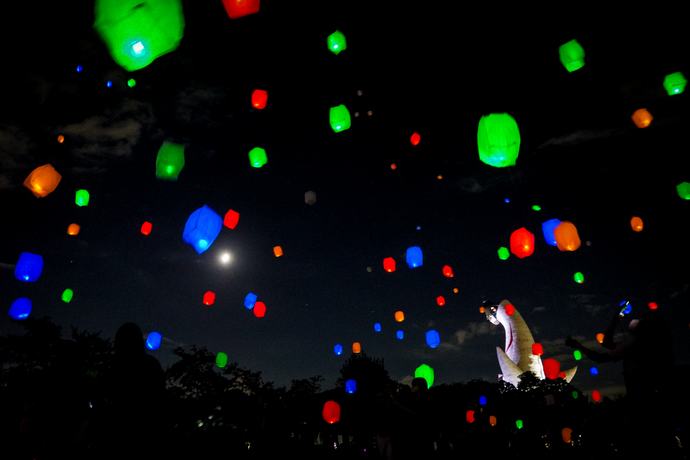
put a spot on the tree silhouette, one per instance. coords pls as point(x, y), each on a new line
point(369, 373)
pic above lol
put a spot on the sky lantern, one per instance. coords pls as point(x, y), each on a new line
point(674, 83)
point(257, 157)
point(653, 306)
point(259, 98)
point(73, 229)
point(577, 354)
point(377, 327)
point(575, 394)
point(498, 140)
point(482, 400)
point(492, 420)
point(278, 251)
point(29, 267)
point(259, 309)
point(414, 257)
point(440, 301)
point(336, 42)
point(448, 271)
point(138, 32)
point(338, 349)
point(567, 238)
point(43, 180)
point(82, 198)
point(469, 416)
point(389, 264)
point(202, 228)
point(20, 309)
point(400, 335)
point(566, 434)
point(356, 347)
point(231, 219)
point(209, 298)
point(415, 139)
point(572, 55)
point(351, 386)
point(594, 371)
point(503, 253)
point(331, 412)
point(339, 118)
point(636, 224)
point(600, 337)
point(537, 349)
point(579, 278)
point(683, 190)
point(432, 338)
point(481, 310)
point(642, 118)
point(552, 368)
point(153, 340)
point(221, 359)
point(510, 309)
point(399, 316)
point(427, 373)
point(596, 396)
point(170, 161)
point(61, 139)
point(250, 300)
point(67, 295)
point(547, 229)
point(239, 8)
point(146, 228)
point(522, 243)
point(310, 197)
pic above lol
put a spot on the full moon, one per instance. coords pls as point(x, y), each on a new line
point(225, 258)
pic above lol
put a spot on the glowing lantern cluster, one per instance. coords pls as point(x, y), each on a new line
point(351, 386)
point(202, 229)
point(498, 140)
point(522, 243)
point(572, 55)
point(338, 349)
point(331, 412)
point(170, 161)
point(427, 373)
point(415, 139)
point(432, 338)
point(29, 267)
point(259, 98)
point(552, 368)
point(336, 42)
point(399, 316)
point(310, 198)
point(136, 33)
point(82, 198)
point(389, 264)
point(257, 157)
point(67, 295)
point(153, 341)
point(503, 253)
point(231, 219)
point(339, 118)
point(356, 347)
point(642, 118)
point(73, 229)
point(278, 251)
point(440, 301)
point(20, 309)
point(447, 271)
point(683, 190)
point(209, 298)
point(43, 180)
point(537, 349)
point(259, 309)
point(566, 235)
point(414, 257)
point(221, 359)
point(674, 83)
point(636, 224)
point(579, 278)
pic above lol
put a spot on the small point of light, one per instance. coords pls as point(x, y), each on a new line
point(419, 228)
point(439, 177)
point(131, 82)
point(61, 139)
point(225, 258)
point(507, 200)
point(536, 207)
point(138, 48)
point(393, 166)
point(109, 84)
point(370, 113)
point(79, 68)
point(359, 93)
point(335, 47)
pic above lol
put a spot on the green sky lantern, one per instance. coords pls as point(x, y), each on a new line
point(257, 157)
point(674, 83)
point(82, 198)
point(572, 55)
point(498, 140)
point(427, 373)
point(131, 82)
point(579, 278)
point(503, 253)
point(339, 118)
point(137, 32)
point(170, 161)
point(221, 359)
point(683, 190)
point(518, 424)
point(575, 394)
point(536, 207)
point(577, 354)
point(67, 295)
point(336, 42)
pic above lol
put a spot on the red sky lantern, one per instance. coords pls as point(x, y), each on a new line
point(415, 139)
point(448, 271)
point(537, 349)
point(552, 368)
point(146, 228)
point(389, 264)
point(259, 309)
point(469, 416)
point(566, 236)
point(596, 396)
point(231, 219)
point(399, 316)
point(636, 224)
point(209, 298)
point(510, 309)
point(440, 301)
point(331, 412)
point(259, 98)
point(653, 306)
point(42, 180)
point(278, 251)
point(562, 374)
point(522, 243)
point(73, 229)
point(239, 8)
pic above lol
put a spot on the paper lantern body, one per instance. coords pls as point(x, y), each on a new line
point(469, 416)
point(552, 368)
point(414, 257)
point(427, 373)
point(339, 118)
point(209, 298)
point(170, 161)
point(351, 386)
point(389, 264)
point(567, 238)
point(547, 229)
point(600, 337)
point(310, 198)
point(399, 316)
point(537, 349)
point(20, 309)
point(566, 434)
point(577, 354)
point(278, 251)
point(146, 228)
point(257, 157)
point(498, 140)
point(519, 424)
point(510, 309)
point(336, 42)
point(331, 412)
point(338, 349)
point(572, 55)
point(250, 300)
point(492, 420)
point(674, 83)
point(440, 301)
point(636, 224)
point(67, 295)
point(231, 219)
point(239, 8)
point(259, 309)
point(594, 371)
point(73, 229)
point(596, 396)
point(221, 359)
point(259, 98)
point(356, 347)
point(503, 253)
point(522, 243)
point(153, 341)
point(43, 180)
point(653, 305)
point(29, 267)
point(415, 139)
point(400, 335)
point(432, 338)
point(377, 327)
point(82, 198)
point(448, 271)
point(683, 190)
point(202, 229)
point(482, 400)
point(138, 32)
point(642, 118)
point(579, 278)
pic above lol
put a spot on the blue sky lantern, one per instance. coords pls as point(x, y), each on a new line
point(339, 118)
point(338, 349)
point(170, 161)
point(547, 229)
point(250, 300)
point(432, 338)
point(498, 140)
point(414, 257)
point(377, 327)
point(351, 386)
point(20, 308)
point(202, 228)
point(593, 371)
point(29, 267)
point(400, 335)
point(482, 400)
point(153, 341)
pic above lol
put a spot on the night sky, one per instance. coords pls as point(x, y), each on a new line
point(416, 67)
